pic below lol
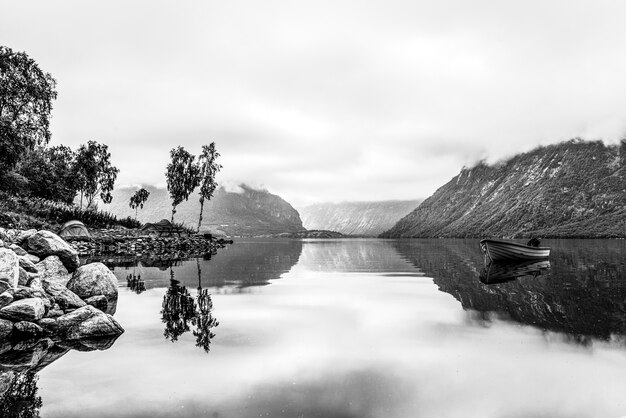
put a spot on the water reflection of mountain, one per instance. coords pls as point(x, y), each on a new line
point(353, 255)
point(243, 264)
point(582, 294)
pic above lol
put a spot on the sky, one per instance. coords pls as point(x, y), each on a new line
point(327, 100)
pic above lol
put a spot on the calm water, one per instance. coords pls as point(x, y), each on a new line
point(358, 328)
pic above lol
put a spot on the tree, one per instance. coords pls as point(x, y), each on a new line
point(208, 170)
point(94, 172)
point(26, 95)
point(182, 176)
point(138, 199)
point(49, 173)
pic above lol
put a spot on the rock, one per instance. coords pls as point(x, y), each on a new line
point(52, 269)
point(64, 297)
point(23, 292)
point(31, 309)
point(23, 277)
point(6, 327)
point(45, 243)
point(23, 236)
point(27, 330)
point(88, 322)
point(99, 302)
point(9, 269)
point(27, 264)
point(23, 360)
point(33, 258)
point(17, 249)
point(92, 280)
point(5, 299)
point(48, 325)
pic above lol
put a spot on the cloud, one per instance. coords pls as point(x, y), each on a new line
point(328, 100)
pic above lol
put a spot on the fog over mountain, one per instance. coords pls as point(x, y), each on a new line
point(244, 211)
point(356, 218)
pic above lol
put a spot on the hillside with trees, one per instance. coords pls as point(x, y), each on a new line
point(571, 189)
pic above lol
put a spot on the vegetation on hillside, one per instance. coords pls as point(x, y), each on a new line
point(572, 189)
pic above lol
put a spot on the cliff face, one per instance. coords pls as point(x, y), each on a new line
point(356, 218)
point(571, 189)
point(249, 212)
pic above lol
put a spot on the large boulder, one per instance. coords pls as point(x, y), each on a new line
point(92, 280)
point(30, 309)
point(87, 322)
point(62, 295)
point(52, 269)
point(46, 243)
point(9, 269)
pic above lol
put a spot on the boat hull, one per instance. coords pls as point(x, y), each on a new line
point(501, 250)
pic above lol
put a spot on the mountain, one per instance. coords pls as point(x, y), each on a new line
point(356, 218)
point(245, 212)
point(571, 189)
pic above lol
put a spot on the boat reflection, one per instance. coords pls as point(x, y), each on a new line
point(501, 272)
point(582, 294)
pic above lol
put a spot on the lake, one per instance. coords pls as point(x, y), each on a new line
point(357, 328)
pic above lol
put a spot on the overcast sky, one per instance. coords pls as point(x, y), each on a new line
point(327, 100)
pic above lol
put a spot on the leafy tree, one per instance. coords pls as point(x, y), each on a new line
point(182, 176)
point(94, 173)
point(26, 95)
point(208, 170)
point(50, 174)
point(138, 199)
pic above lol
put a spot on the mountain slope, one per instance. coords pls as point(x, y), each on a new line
point(571, 189)
point(247, 212)
point(356, 218)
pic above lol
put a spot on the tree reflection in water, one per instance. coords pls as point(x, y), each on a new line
point(180, 310)
point(20, 397)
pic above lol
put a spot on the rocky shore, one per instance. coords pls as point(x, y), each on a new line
point(130, 242)
point(46, 293)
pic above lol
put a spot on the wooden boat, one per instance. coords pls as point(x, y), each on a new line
point(504, 271)
point(500, 249)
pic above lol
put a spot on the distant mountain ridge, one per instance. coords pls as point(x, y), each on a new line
point(247, 212)
point(356, 218)
point(571, 189)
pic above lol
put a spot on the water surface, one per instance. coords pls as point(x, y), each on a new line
point(356, 328)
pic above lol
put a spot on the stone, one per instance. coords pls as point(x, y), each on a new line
point(33, 258)
point(6, 327)
point(23, 236)
point(24, 360)
point(31, 309)
point(88, 322)
point(27, 330)
point(45, 243)
point(99, 302)
point(17, 249)
point(48, 325)
point(62, 296)
point(52, 269)
point(92, 280)
point(23, 277)
point(9, 269)
point(27, 264)
point(23, 292)
point(5, 298)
